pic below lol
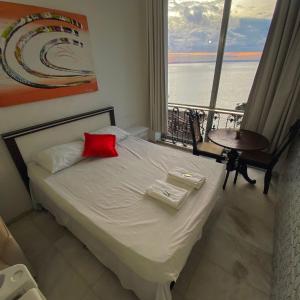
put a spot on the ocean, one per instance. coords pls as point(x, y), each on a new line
point(191, 83)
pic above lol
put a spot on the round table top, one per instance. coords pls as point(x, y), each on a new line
point(242, 140)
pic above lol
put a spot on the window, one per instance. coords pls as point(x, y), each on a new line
point(246, 35)
point(194, 30)
point(195, 46)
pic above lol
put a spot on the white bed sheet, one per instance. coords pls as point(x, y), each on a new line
point(106, 196)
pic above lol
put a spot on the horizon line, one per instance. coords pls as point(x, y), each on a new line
point(215, 53)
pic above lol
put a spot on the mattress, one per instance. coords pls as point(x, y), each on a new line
point(107, 197)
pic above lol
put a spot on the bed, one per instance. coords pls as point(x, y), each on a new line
point(103, 203)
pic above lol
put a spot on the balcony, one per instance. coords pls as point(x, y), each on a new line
point(179, 131)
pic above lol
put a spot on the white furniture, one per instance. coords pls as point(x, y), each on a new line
point(15, 282)
point(139, 131)
point(33, 294)
point(103, 202)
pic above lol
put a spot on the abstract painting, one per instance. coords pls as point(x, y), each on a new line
point(44, 54)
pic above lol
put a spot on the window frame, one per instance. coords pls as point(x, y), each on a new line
point(219, 63)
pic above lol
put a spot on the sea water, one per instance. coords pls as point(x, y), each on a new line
point(191, 83)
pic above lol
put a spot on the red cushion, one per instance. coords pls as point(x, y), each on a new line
point(99, 145)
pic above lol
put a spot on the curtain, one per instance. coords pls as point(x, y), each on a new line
point(274, 100)
point(157, 40)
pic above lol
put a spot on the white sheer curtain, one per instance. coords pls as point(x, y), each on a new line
point(274, 101)
point(157, 33)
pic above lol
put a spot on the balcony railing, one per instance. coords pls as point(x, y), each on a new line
point(179, 130)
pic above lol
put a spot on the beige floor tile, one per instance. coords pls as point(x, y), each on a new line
point(32, 241)
point(70, 286)
point(79, 257)
point(251, 200)
point(91, 296)
point(176, 295)
point(211, 282)
point(108, 287)
point(242, 260)
point(50, 267)
point(238, 223)
point(68, 243)
point(57, 279)
point(47, 225)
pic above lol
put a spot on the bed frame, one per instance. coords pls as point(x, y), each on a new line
point(11, 137)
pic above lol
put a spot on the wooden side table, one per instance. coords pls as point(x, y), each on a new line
point(237, 140)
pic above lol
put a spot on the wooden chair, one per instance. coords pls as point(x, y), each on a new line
point(267, 161)
point(200, 147)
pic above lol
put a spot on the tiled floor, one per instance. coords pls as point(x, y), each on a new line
point(231, 262)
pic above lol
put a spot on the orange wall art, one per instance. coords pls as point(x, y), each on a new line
point(44, 53)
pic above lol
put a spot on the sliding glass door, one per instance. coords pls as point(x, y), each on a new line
point(194, 31)
point(248, 27)
point(214, 48)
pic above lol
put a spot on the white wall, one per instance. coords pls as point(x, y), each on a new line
point(117, 32)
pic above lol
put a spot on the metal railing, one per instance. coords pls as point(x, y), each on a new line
point(179, 130)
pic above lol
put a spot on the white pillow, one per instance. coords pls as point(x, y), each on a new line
point(118, 132)
point(60, 157)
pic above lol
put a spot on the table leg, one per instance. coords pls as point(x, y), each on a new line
point(226, 178)
point(236, 176)
point(236, 172)
point(243, 170)
point(231, 164)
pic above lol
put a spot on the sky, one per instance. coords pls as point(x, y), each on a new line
point(194, 25)
point(245, 8)
point(253, 9)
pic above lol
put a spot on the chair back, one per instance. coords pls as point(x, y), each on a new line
point(288, 139)
point(195, 128)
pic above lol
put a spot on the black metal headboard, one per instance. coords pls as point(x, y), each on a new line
point(10, 137)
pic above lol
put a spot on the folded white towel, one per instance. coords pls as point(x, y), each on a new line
point(167, 193)
point(191, 179)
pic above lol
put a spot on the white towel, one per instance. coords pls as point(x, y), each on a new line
point(167, 193)
point(191, 179)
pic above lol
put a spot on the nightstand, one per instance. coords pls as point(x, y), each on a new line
point(139, 131)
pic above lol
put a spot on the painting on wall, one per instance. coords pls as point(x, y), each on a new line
point(44, 54)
